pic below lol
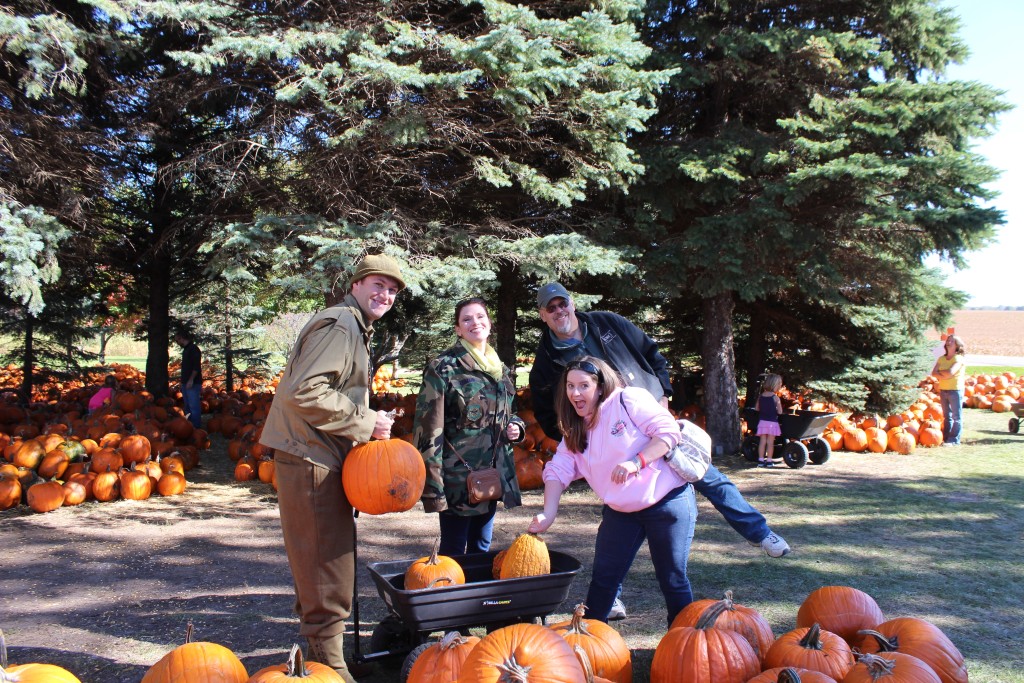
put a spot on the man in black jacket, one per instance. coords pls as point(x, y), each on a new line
point(635, 355)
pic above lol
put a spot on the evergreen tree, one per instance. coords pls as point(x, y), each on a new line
point(807, 151)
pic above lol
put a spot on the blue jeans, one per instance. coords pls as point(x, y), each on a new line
point(466, 535)
point(727, 499)
point(668, 528)
point(193, 408)
point(952, 401)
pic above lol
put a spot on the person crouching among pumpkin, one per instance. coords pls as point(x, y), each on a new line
point(616, 437)
point(465, 424)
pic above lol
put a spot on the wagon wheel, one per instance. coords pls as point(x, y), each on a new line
point(749, 447)
point(1014, 425)
point(391, 635)
point(820, 451)
point(795, 454)
point(411, 658)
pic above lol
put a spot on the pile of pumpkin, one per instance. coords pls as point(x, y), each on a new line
point(997, 393)
point(841, 637)
point(56, 455)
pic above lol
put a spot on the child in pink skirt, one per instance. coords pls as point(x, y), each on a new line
point(769, 407)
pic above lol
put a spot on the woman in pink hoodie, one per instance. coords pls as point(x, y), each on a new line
point(616, 437)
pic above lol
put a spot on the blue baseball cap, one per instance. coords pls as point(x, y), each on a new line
point(551, 291)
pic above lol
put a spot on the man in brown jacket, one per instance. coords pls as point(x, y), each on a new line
point(321, 409)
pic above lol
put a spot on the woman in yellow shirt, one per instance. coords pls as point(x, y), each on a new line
point(949, 368)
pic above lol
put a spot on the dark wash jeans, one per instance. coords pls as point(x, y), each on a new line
point(466, 535)
point(667, 526)
point(730, 503)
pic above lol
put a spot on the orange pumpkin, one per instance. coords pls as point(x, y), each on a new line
point(197, 662)
point(606, 652)
point(296, 669)
point(527, 556)
point(45, 496)
point(923, 640)
point(521, 652)
point(855, 439)
point(877, 439)
point(841, 610)
point(383, 476)
point(891, 667)
point(704, 654)
point(135, 484)
point(746, 621)
point(811, 648)
point(171, 484)
point(789, 674)
point(10, 491)
point(429, 571)
point(443, 660)
point(31, 673)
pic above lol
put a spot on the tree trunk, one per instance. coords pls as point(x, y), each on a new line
point(229, 354)
point(505, 315)
point(158, 356)
point(720, 396)
point(757, 348)
point(28, 360)
point(104, 339)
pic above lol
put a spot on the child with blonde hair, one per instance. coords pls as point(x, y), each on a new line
point(769, 407)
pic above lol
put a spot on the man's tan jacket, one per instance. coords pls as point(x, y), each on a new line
point(322, 402)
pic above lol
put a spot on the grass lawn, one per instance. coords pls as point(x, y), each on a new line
point(938, 535)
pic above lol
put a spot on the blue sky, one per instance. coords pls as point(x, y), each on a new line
point(992, 30)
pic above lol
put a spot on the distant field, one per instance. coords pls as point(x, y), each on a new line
point(989, 333)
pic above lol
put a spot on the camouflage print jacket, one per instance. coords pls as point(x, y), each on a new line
point(462, 412)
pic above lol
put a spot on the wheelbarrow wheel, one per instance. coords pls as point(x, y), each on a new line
point(1014, 425)
point(749, 447)
point(411, 658)
point(391, 635)
point(819, 451)
point(795, 454)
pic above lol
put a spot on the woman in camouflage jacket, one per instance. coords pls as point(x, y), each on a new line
point(464, 422)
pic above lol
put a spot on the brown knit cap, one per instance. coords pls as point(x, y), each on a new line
point(378, 264)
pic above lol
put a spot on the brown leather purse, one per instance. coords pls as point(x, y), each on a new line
point(484, 484)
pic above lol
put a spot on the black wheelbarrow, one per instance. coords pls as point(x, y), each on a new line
point(413, 615)
point(1018, 410)
point(800, 440)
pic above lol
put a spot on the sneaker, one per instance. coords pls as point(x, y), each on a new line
point(618, 611)
point(774, 545)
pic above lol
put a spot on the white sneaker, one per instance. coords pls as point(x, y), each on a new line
point(618, 611)
point(774, 545)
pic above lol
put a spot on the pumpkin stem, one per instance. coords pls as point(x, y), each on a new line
point(588, 670)
point(297, 664)
point(189, 630)
point(3, 651)
point(877, 666)
point(451, 639)
point(432, 560)
point(727, 598)
point(788, 675)
point(578, 624)
point(512, 672)
point(710, 615)
point(884, 644)
point(812, 640)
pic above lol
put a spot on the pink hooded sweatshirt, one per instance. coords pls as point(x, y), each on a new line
point(616, 437)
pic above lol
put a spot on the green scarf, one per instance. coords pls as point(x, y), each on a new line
point(488, 361)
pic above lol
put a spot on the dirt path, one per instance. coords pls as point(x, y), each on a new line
point(106, 589)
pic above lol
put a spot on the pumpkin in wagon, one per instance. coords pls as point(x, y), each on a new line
point(527, 556)
point(429, 571)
